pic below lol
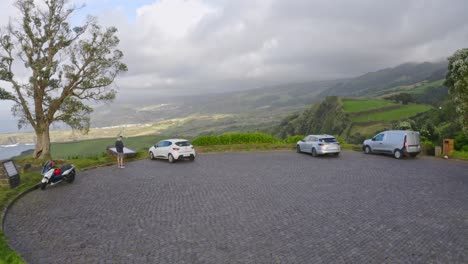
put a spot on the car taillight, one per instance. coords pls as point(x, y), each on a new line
point(321, 144)
point(176, 149)
point(406, 143)
point(191, 147)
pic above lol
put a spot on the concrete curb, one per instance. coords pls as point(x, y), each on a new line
point(7, 208)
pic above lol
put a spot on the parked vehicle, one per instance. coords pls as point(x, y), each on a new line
point(319, 145)
point(398, 143)
point(53, 175)
point(172, 150)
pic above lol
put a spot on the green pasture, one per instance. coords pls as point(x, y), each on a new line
point(97, 147)
point(369, 129)
point(356, 106)
point(404, 112)
point(422, 88)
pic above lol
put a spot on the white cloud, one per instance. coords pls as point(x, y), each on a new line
point(219, 44)
point(173, 18)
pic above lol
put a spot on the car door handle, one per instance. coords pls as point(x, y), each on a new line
point(380, 143)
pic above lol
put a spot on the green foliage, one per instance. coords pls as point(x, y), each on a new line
point(6, 195)
point(461, 141)
point(67, 66)
point(404, 125)
point(395, 114)
point(355, 106)
point(96, 148)
point(457, 82)
point(7, 255)
point(230, 139)
point(339, 139)
point(325, 117)
point(461, 155)
point(403, 98)
point(293, 139)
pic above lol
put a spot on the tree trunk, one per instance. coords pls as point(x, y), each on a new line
point(42, 150)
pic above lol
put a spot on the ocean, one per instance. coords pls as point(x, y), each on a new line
point(8, 151)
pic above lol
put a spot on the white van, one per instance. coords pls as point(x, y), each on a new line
point(398, 143)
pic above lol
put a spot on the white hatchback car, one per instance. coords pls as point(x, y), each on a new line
point(319, 145)
point(172, 150)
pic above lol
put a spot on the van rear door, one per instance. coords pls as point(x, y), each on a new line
point(413, 141)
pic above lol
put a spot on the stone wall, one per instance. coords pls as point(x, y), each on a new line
point(3, 177)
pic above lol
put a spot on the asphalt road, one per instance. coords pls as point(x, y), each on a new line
point(263, 207)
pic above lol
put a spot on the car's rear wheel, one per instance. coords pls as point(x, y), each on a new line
point(367, 150)
point(314, 152)
point(298, 149)
point(336, 154)
point(171, 158)
point(413, 155)
point(192, 158)
point(151, 155)
point(397, 154)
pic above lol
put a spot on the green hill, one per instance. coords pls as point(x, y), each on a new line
point(350, 118)
point(377, 83)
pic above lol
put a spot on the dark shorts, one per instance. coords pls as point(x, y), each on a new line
point(120, 154)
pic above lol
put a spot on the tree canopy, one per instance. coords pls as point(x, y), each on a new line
point(64, 66)
point(457, 82)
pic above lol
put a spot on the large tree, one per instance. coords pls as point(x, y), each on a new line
point(457, 82)
point(53, 69)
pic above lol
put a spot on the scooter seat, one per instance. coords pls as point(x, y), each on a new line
point(66, 167)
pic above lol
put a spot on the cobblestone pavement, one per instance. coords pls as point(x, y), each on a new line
point(263, 207)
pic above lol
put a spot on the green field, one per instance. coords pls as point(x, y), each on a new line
point(422, 88)
point(356, 106)
point(404, 112)
point(96, 147)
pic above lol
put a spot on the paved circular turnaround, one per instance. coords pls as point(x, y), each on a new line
point(262, 207)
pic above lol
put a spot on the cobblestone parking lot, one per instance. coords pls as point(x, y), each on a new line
point(252, 207)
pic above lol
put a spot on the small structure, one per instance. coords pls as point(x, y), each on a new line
point(127, 152)
point(448, 147)
point(12, 173)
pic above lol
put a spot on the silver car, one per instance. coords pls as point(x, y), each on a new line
point(319, 145)
point(398, 143)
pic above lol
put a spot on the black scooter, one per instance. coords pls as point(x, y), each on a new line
point(53, 175)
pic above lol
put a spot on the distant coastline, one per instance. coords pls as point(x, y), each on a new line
point(8, 151)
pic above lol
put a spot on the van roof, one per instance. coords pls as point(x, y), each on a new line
point(400, 131)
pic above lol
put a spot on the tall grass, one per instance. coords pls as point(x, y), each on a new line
point(237, 138)
point(355, 106)
point(405, 111)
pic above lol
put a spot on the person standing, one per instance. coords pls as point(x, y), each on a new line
point(119, 148)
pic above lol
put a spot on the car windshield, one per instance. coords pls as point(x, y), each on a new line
point(183, 144)
point(328, 140)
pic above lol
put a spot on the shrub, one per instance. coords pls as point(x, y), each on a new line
point(461, 141)
point(293, 139)
point(237, 138)
point(342, 142)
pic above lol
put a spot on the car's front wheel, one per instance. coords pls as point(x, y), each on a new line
point(171, 158)
point(367, 150)
point(151, 155)
point(298, 149)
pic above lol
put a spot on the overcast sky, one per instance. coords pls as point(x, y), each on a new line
point(212, 45)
